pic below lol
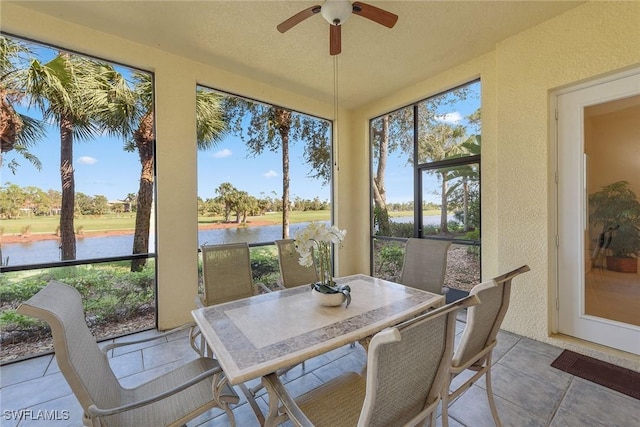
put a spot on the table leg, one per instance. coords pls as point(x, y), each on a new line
point(252, 402)
point(273, 416)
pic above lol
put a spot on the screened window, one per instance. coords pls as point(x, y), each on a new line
point(77, 190)
point(263, 174)
point(426, 182)
point(267, 170)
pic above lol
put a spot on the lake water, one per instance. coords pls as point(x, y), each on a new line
point(111, 246)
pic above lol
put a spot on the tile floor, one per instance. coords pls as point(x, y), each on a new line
point(528, 391)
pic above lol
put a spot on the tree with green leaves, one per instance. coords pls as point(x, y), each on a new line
point(464, 177)
point(441, 142)
point(66, 92)
point(268, 127)
point(226, 194)
point(391, 132)
point(130, 114)
point(18, 132)
point(395, 132)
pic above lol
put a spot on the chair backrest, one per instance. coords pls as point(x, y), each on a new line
point(407, 367)
point(81, 362)
point(291, 272)
point(226, 272)
point(425, 264)
point(484, 320)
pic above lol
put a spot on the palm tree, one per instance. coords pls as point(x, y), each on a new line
point(462, 175)
point(129, 113)
point(18, 132)
point(226, 192)
point(441, 142)
point(63, 89)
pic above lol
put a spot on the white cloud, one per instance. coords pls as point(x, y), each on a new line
point(454, 117)
point(86, 160)
point(270, 174)
point(222, 153)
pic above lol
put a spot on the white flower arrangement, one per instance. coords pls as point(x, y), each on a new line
point(318, 236)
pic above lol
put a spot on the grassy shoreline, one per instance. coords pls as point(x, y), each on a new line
point(112, 222)
point(126, 222)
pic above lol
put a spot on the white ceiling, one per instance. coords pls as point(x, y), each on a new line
point(241, 37)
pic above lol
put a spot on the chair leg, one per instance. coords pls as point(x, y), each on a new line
point(194, 333)
point(444, 416)
point(492, 404)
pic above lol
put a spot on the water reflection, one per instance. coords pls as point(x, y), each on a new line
point(109, 246)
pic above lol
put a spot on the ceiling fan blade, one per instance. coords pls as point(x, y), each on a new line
point(298, 18)
point(375, 14)
point(335, 43)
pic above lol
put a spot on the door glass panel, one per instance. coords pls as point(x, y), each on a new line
point(612, 237)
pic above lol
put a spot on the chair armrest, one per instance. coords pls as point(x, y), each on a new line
point(200, 303)
point(291, 407)
point(94, 411)
point(280, 283)
point(111, 346)
point(261, 288)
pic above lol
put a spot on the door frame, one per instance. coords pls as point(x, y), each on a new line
point(554, 291)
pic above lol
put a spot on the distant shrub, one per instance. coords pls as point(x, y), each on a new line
point(264, 265)
point(388, 259)
point(10, 320)
point(473, 235)
point(401, 229)
point(14, 293)
point(26, 230)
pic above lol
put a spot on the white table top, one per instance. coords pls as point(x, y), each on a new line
point(255, 336)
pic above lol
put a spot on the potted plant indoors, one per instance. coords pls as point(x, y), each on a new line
point(615, 211)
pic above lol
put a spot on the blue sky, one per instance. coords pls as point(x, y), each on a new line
point(229, 162)
point(102, 167)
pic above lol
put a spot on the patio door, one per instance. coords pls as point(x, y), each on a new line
point(598, 154)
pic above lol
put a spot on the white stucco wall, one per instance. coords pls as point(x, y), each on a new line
point(517, 170)
point(589, 41)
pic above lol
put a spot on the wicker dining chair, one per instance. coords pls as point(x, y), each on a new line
point(170, 399)
point(425, 264)
point(291, 272)
point(479, 338)
point(408, 369)
point(226, 274)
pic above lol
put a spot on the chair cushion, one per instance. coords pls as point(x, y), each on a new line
point(345, 392)
point(194, 399)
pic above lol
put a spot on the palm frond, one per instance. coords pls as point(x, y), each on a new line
point(210, 124)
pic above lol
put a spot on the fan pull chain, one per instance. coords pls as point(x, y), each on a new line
point(336, 112)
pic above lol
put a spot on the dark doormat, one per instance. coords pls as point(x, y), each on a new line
point(611, 376)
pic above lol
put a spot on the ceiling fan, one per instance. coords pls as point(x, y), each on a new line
point(336, 12)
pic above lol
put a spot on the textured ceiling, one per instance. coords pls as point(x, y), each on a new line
point(241, 37)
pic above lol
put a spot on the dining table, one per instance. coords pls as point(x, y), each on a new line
point(255, 336)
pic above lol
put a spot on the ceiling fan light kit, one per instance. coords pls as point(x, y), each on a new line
point(336, 13)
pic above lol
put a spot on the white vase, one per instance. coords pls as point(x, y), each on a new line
point(327, 300)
